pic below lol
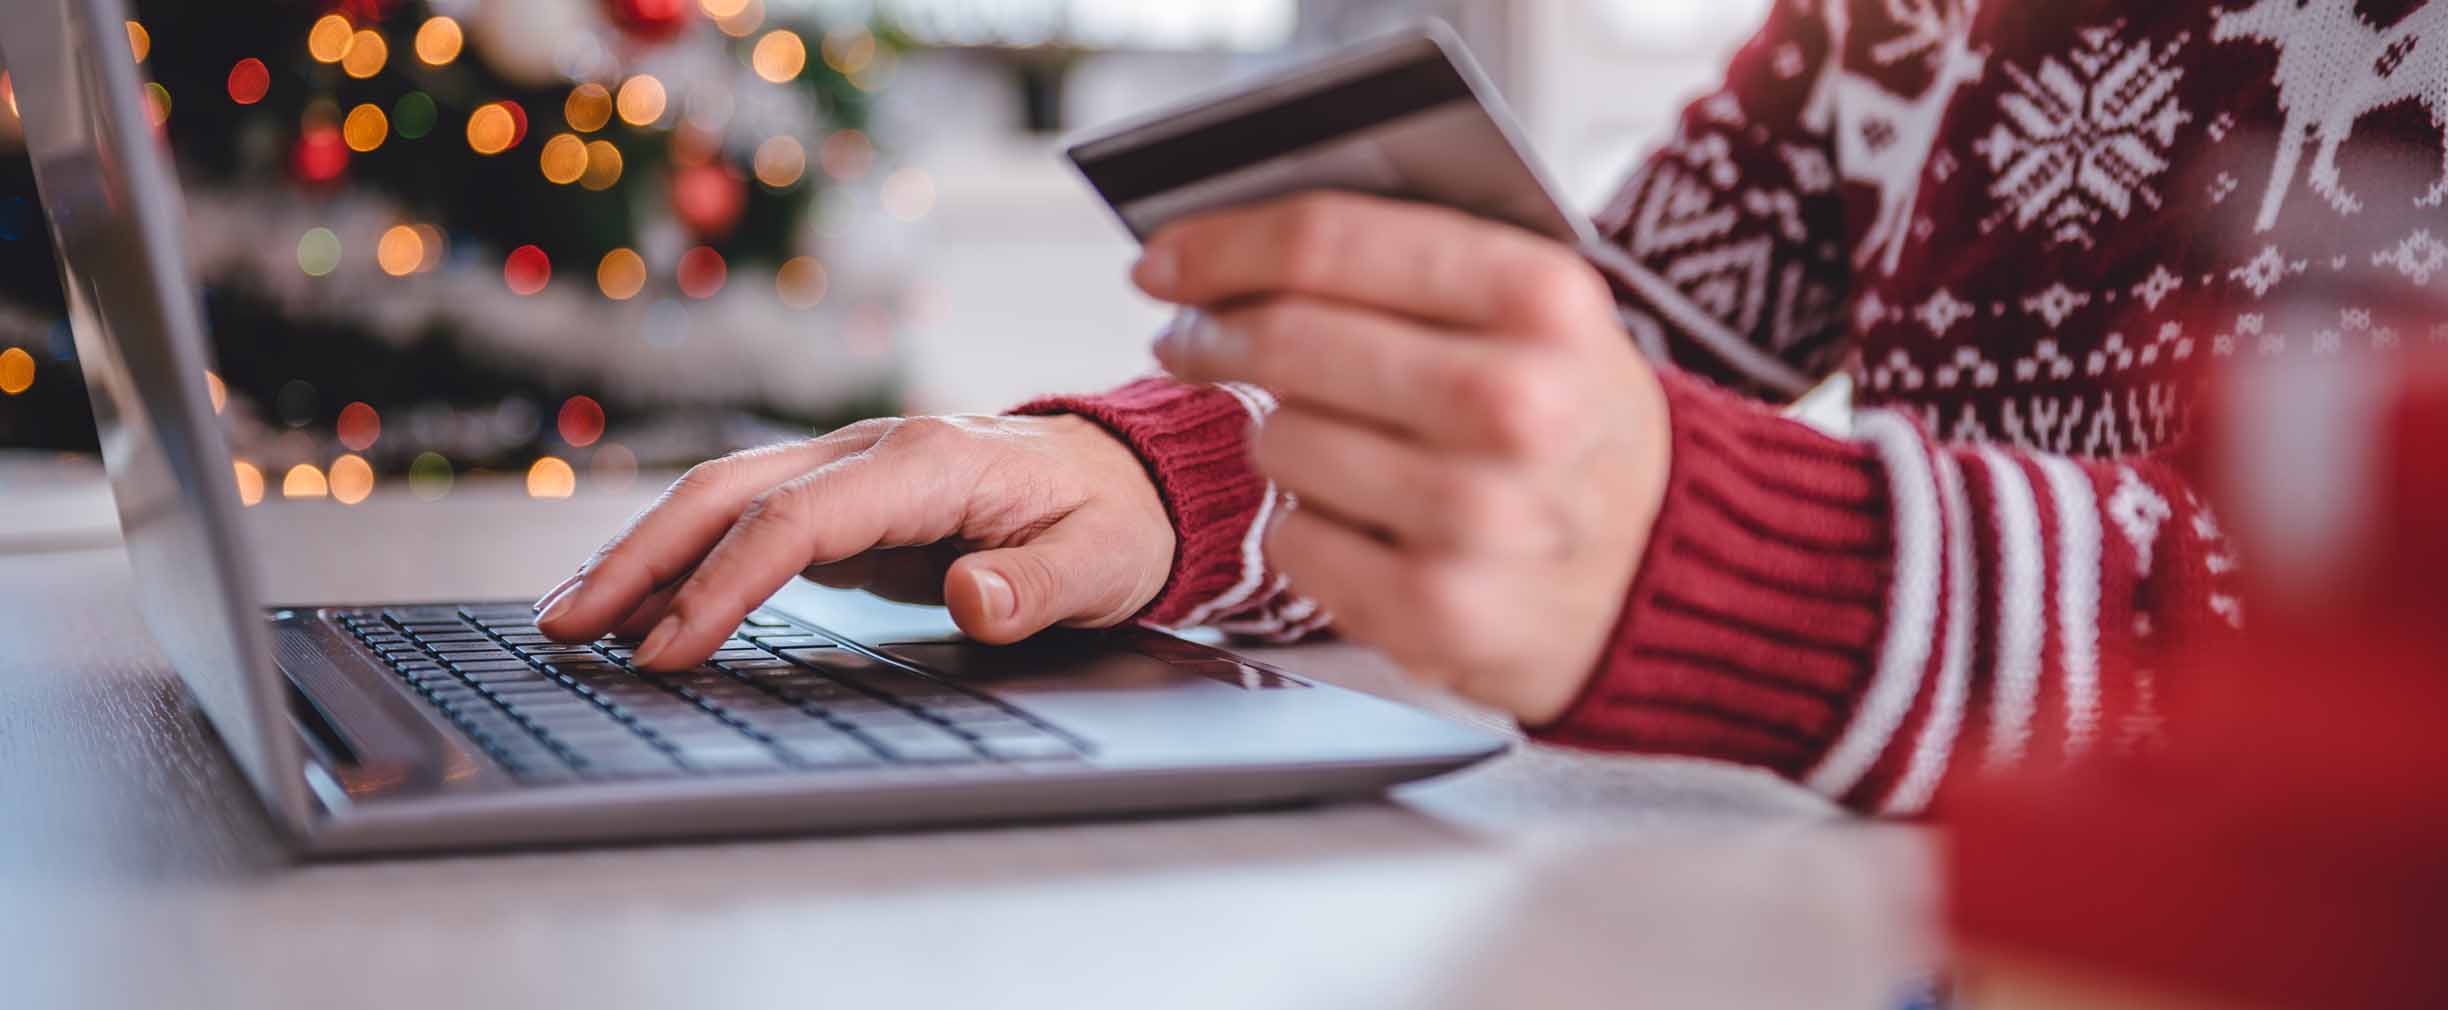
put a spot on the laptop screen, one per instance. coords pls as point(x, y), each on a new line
point(116, 219)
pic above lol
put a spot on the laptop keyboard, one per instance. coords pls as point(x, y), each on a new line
point(775, 697)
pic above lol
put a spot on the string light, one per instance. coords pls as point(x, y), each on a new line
point(352, 479)
point(318, 252)
point(564, 159)
point(526, 270)
point(621, 274)
point(846, 155)
point(399, 252)
point(438, 41)
point(744, 22)
point(779, 56)
point(250, 482)
point(367, 52)
point(551, 477)
point(429, 476)
point(720, 9)
point(304, 481)
point(849, 50)
point(588, 108)
point(580, 422)
point(360, 426)
point(702, 272)
point(328, 40)
point(641, 100)
point(603, 166)
point(909, 194)
point(780, 161)
point(432, 247)
point(249, 81)
point(490, 129)
point(140, 41)
point(157, 102)
point(365, 128)
point(413, 116)
point(215, 391)
point(16, 371)
point(801, 282)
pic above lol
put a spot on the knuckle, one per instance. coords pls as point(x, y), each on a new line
point(1311, 238)
point(1476, 509)
point(923, 433)
point(1550, 285)
point(1441, 596)
point(1518, 402)
point(710, 478)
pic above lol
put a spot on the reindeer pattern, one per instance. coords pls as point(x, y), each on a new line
point(2334, 68)
point(1883, 138)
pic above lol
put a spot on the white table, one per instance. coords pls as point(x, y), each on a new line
point(135, 869)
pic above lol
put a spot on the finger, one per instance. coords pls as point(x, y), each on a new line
point(1428, 501)
point(1068, 575)
point(879, 498)
point(1448, 390)
point(666, 539)
point(1432, 263)
point(642, 620)
point(900, 574)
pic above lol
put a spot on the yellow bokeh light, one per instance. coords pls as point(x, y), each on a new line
point(140, 41)
point(744, 22)
point(438, 41)
point(720, 9)
point(352, 479)
point(551, 477)
point(603, 166)
point(304, 481)
point(400, 251)
point(365, 128)
point(216, 391)
point(780, 161)
point(779, 56)
point(564, 159)
point(849, 50)
point(157, 102)
point(621, 275)
point(250, 482)
point(367, 52)
point(589, 107)
point(491, 129)
point(801, 282)
point(430, 244)
point(328, 40)
point(16, 371)
point(641, 100)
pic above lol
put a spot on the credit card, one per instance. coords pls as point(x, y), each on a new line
point(1409, 116)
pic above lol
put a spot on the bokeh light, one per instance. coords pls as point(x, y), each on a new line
point(909, 194)
point(321, 155)
point(367, 52)
point(491, 129)
point(216, 391)
point(527, 270)
point(352, 479)
point(318, 252)
point(780, 161)
point(603, 166)
point(621, 274)
point(304, 481)
point(400, 251)
point(359, 426)
point(551, 477)
point(249, 81)
point(702, 272)
point(563, 159)
point(779, 56)
point(588, 108)
point(614, 467)
point(720, 9)
point(157, 102)
point(328, 40)
point(16, 371)
point(140, 41)
point(847, 154)
point(849, 50)
point(641, 100)
point(438, 41)
point(744, 22)
point(430, 476)
point(581, 421)
point(365, 128)
point(250, 482)
point(801, 282)
point(413, 116)
point(431, 243)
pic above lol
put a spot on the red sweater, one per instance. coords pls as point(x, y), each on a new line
point(1997, 217)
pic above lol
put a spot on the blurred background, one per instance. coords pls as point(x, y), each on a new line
point(574, 239)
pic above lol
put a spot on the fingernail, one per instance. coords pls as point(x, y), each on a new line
point(555, 593)
point(558, 608)
point(996, 595)
point(1156, 270)
point(657, 640)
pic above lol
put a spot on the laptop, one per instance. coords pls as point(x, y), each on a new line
point(370, 727)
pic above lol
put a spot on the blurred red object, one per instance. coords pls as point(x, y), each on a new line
point(320, 155)
point(649, 20)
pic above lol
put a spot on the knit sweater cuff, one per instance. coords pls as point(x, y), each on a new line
point(1755, 620)
point(1194, 441)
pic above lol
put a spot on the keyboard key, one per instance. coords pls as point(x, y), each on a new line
point(646, 764)
point(734, 755)
point(827, 752)
point(833, 660)
point(923, 745)
point(486, 673)
point(788, 638)
point(767, 619)
point(1043, 747)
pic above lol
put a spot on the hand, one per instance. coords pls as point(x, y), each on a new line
point(1477, 449)
point(1014, 523)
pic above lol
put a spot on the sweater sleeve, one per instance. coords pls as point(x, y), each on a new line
point(1873, 616)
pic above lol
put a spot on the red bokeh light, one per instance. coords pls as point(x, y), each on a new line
point(702, 272)
point(526, 270)
point(320, 155)
point(359, 426)
point(249, 81)
point(518, 121)
point(581, 421)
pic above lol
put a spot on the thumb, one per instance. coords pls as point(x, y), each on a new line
point(1005, 595)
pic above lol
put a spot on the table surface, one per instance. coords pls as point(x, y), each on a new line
point(136, 870)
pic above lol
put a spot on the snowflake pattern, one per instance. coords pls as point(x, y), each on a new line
point(2057, 304)
point(1942, 311)
point(2081, 142)
point(2420, 257)
point(2157, 287)
point(2264, 272)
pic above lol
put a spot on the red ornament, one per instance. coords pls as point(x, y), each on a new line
point(320, 155)
point(708, 199)
point(649, 20)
